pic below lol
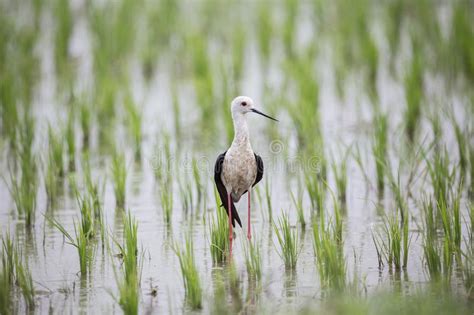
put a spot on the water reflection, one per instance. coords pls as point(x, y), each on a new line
point(289, 284)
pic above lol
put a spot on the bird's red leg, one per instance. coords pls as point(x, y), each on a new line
point(249, 233)
point(230, 223)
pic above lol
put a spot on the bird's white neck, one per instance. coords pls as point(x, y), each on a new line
point(241, 130)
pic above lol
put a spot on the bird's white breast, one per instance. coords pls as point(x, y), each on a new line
point(239, 170)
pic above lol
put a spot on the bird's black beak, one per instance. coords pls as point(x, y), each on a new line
point(264, 115)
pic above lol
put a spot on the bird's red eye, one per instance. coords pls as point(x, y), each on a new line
point(244, 103)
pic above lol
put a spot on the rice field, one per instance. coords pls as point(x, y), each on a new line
point(112, 114)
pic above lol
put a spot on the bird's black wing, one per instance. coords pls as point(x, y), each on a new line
point(259, 177)
point(222, 191)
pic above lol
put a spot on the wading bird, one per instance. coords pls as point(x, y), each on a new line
point(238, 169)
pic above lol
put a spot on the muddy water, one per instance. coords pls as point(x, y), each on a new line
point(55, 265)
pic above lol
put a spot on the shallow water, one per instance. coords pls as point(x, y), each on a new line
point(55, 265)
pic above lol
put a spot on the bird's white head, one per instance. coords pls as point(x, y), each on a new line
point(242, 105)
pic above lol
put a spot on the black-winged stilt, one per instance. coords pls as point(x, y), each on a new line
point(238, 169)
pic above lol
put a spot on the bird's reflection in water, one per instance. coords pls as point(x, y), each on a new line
point(230, 290)
point(254, 289)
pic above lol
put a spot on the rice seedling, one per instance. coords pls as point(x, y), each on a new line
point(24, 190)
point(8, 258)
point(257, 195)
point(129, 250)
point(393, 23)
point(24, 280)
point(197, 182)
point(441, 174)
point(298, 203)
point(370, 53)
point(134, 122)
point(429, 218)
point(390, 242)
point(268, 199)
point(456, 219)
point(316, 191)
point(119, 177)
point(379, 149)
point(355, 45)
point(444, 210)
point(63, 32)
point(93, 195)
point(460, 42)
point(163, 163)
point(437, 130)
point(189, 271)
point(357, 155)
point(337, 225)
point(191, 196)
point(6, 281)
point(111, 38)
point(432, 257)
point(88, 221)
point(93, 189)
point(414, 95)
point(227, 94)
point(5, 291)
point(15, 272)
point(471, 176)
point(186, 194)
point(129, 292)
point(105, 112)
point(219, 232)
point(84, 231)
point(471, 217)
point(291, 10)
point(451, 223)
point(328, 250)
point(437, 252)
point(288, 240)
point(203, 83)
point(430, 240)
point(462, 147)
point(71, 142)
point(340, 177)
point(442, 177)
point(9, 112)
point(51, 180)
point(86, 122)
point(80, 242)
point(304, 112)
point(56, 150)
point(468, 268)
point(159, 33)
point(176, 112)
point(129, 295)
point(20, 64)
point(384, 247)
point(253, 259)
point(402, 209)
point(264, 34)
point(167, 204)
